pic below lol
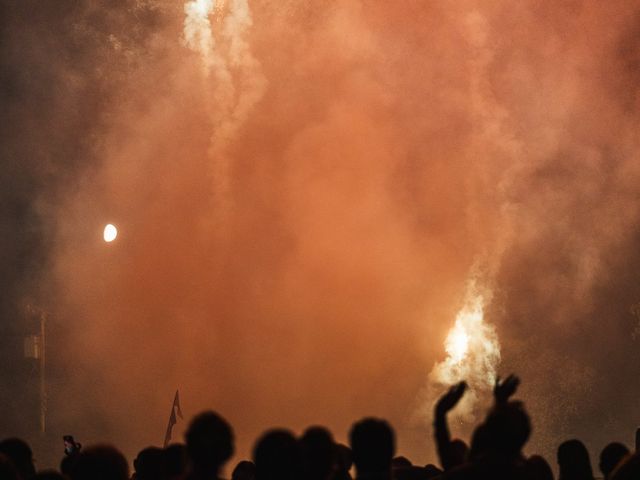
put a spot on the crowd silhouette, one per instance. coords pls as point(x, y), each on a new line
point(495, 451)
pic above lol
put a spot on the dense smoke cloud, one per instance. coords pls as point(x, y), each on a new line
point(306, 268)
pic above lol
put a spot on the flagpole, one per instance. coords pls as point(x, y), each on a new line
point(167, 436)
point(43, 378)
point(171, 423)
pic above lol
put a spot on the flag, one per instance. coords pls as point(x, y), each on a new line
point(175, 409)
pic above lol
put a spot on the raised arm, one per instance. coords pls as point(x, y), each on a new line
point(504, 389)
point(441, 429)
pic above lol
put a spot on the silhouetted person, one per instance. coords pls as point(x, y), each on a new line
point(19, 452)
point(538, 468)
point(150, 464)
point(450, 454)
point(373, 445)
point(72, 450)
point(574, 462)
point(175, 460)
point(344, 462)
point(496, 451)
point(49, 475)
point(496, 444)
point(629, 468)
point(611, 456)
point(480, 443)
point(400, 462)
point(431, 471)
point(453, 453)
point(67, 463)
point(458, 451)
point(210, 444)
point(71, 447)
point(638, 440)
point(244, 470)
point(508, 428)
point(8, 470)
point(276, 456)
point(317, 453)
point(403, 469)
point(101, 462)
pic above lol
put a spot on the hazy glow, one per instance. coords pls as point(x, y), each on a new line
point(110, 233)
point(202, 7)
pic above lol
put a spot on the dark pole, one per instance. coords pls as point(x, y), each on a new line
point(43, 378)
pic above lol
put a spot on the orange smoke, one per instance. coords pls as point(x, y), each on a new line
point(304, 187)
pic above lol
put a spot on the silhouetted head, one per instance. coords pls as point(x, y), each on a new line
point(19, 452)
point(8, 470)
point(317, 453)
point(48, 475)
point(344, 462)
point(638, 440)
point(538, 468)
point(431, 471)
point(276, 456)
point(459, 451)
point(373, 446)
point(611, 456)
point(210, 442)
point(175, 460)
point(629, 468)
point(150, 464)
point(573, 460)
point(245, 470)
point(101, 462)
point(507, 429)
point(400, 462)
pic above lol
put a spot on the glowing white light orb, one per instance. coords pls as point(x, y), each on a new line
point(457, 343)
point(110, 233)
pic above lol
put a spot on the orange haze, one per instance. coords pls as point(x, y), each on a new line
point(305, 264)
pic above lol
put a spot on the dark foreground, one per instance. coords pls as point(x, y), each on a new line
point(493, 452)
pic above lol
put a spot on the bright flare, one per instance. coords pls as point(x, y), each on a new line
point(457, 343)
point(202, 7)
point(110, 233)
point(473, 353)
point(197, 29)
point(219, 31)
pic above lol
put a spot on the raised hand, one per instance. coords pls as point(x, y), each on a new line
point(503, 390)
point(451, 398)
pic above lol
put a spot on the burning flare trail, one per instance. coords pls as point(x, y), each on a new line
point(219, 32)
